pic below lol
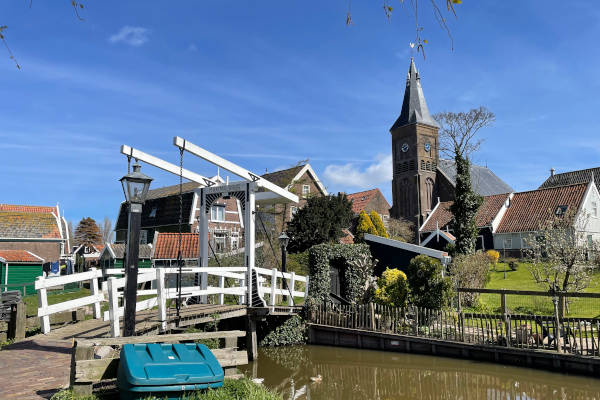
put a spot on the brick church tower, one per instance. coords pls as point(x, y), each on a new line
point(415, 154)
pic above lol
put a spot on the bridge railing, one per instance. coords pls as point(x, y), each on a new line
point(42, 284)
point(275, 279)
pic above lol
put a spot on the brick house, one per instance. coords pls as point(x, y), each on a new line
point(36, 229)
point(300, 180)
point(370, 200)
point(160, 213)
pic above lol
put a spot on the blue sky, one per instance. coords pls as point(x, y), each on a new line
point(266, 84)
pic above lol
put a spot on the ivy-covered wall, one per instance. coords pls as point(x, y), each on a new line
point(320, 258)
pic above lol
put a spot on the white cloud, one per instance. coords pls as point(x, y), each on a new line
point(351, 175)
point(131, 35)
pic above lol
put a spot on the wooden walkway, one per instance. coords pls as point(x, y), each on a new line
point(39, 366)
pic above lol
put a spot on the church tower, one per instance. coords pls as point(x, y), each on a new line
point(415, 155)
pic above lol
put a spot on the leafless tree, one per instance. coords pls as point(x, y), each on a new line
point(560, 253)
point(458, 130)
point(401, 229)
point(106, 229)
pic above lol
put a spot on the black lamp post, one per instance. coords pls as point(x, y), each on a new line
point(135, 188)
point(283, 242)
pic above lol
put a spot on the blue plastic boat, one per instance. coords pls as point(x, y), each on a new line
point(166, 370)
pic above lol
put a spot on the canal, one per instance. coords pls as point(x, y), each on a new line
point(348, 374)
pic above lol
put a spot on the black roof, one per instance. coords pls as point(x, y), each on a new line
point(414, 107)
point(572, 177)
point(484, 181)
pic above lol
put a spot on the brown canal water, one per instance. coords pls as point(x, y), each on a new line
point(349, 374)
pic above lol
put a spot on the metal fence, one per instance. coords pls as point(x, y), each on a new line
point(578, 336)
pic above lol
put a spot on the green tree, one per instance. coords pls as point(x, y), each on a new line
point(458, 138)
point(378, 223)
point(364, 225)
point(87, 233)
point(321, 220)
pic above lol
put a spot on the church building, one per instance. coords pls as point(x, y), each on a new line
point(421, 178)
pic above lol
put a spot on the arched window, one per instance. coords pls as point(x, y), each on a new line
point(423, 165)
point(428, 166)
point(428, 193)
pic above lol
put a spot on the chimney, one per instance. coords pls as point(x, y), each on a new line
point(552, 171)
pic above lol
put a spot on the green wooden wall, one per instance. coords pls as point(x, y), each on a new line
point(19, 274)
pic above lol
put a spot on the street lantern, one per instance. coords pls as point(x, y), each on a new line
point(283, 242)
point(135, 187)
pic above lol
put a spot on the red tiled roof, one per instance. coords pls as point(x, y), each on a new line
point(167, 245)
point(20, 256)
point(529, 209)
point(361, 199)
point(28, 225)
point(31, 209)
point(485, 215)
point(348, 238)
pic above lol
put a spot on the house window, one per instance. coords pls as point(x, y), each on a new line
point(594, 209)
point(217, 213)
point(293, 211)
point(143, 236)
point(590, 240)
point(305, 190)
point(219, 242)
point(561, 210)
point(153, 213)
point(508, 243)
point(234, 241)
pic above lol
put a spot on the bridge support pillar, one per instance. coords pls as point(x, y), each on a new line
point(251, 339)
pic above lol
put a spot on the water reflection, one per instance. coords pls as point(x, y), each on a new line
point(350, 374)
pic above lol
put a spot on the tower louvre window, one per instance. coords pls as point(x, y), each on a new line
point(412, 165)
point(434, 166)
point(422, 165)
point(428, 166)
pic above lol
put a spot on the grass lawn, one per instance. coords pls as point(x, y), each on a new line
point(31, 302)
point(522, 280)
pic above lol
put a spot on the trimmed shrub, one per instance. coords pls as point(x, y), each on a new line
point(392, 288)
point(364, 225)
point(378, 223)
point(354, 279)
point(427, 286)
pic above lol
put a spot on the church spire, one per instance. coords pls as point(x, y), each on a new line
point(414, 107)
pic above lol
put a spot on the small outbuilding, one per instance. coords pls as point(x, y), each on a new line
point(113, 256)
point(396, 254)
point(19, 269)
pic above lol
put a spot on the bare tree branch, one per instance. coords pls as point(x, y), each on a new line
point(458, 130)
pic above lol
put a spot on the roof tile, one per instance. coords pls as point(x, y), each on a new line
point(21, 256)
point(28, 225)
point(167, 245)
point(32, 209)
point(361, 199)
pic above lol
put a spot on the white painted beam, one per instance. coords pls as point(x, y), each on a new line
point(233, 168)
point(166, 166)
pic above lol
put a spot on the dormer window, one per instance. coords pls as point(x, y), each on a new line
point(561, 210)
point(153, 212)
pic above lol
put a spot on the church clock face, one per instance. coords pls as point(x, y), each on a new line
point(405, 147)
point(427, 147)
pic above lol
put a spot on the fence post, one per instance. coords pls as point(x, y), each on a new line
point(162, 298)
point(113, 308)
point(43, 304)
point(372, 316)
point(18, 320)
point(461, 317)
point(505, 318)
point(94, 292)
point(291, 287)
point(273, 286)
point(243, 297)
point(222, 286)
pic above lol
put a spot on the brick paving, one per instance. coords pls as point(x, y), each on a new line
point(35, 368)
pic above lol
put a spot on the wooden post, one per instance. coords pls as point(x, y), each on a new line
point(273, 286)
point(94, 291)
point(162, 298)
point(372, 314)
point(505, 318)
point(249, 233)
point(291, 287)
point(43, 304)
point(461, 317)
point(203, 217)
point(242, 297)
point(251, 340)
point(113, 307)
point(16, 326)
point(80, 353)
